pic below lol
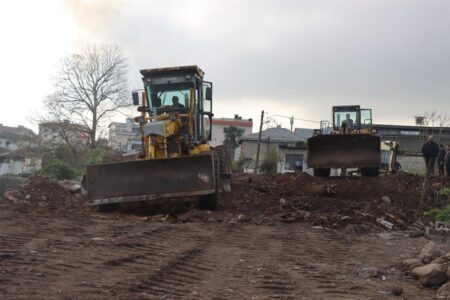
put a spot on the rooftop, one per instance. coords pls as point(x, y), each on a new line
point(65, 124)
point(233, 122)
point(410, 127)
point(15, 133)
point(282, 135)
point(27, 152)
point(172, 71)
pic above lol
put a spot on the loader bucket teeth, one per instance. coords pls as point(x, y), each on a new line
point(344, 151)
point(143, 180)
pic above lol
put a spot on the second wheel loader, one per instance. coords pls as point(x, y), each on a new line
point(176, 159)
point(349, 144)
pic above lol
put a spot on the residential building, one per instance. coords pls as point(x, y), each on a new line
point(219, 124)
point(411, 138)
point(16, 162)
point(12, 138)
point(290, 147)
point(303, 133)
point(53, 134)
point(123, 136)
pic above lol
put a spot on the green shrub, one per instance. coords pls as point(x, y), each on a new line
point(445, 192)
point(94, 157)
point(270, 162)
point(440, 214)
point(59, 169)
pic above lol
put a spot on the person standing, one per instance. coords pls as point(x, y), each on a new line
point(430, 151)
point(441, 160)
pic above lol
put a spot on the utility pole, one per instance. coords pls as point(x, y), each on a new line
point(291, 120)
point(258, 147)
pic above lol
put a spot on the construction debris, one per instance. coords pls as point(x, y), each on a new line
point(44, 192)
point(431, 267)
point(387, 202)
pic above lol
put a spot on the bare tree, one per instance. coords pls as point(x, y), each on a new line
point(271, 122)
point(436, 121)
point(89, 87)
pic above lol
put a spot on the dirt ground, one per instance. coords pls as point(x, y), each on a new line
point(255, 247)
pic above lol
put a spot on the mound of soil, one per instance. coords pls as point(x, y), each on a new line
point(332, 202)
point(44, 192)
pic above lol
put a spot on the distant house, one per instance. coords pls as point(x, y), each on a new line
point(304, 133)
point(290, 147)
point(20, 161)
point(12, 138)
point(219, 124)
point(124, 137)
point(53, 134)
point(411, 138)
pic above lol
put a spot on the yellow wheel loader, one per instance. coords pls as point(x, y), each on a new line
point(349, 143)
point(175, 160)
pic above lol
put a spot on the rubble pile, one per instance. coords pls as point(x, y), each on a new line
point(44, 192)
point(431, 268)
point(390, 202)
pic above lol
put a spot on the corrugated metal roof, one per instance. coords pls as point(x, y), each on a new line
point(274, 134)
point(304, 133)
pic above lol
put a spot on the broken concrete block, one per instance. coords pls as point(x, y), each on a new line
point(419, 272)
point(368, 272)
point(434, 278)
point(444, 292)
point(429, 252)
point(409, 264)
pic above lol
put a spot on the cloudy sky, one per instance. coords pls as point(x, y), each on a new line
point(287, 57)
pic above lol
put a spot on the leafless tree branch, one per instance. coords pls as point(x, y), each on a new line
point(89, 87)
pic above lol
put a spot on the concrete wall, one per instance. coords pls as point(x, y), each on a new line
point(121, 135)
point(248, 150)
point(412, 164)
point(8, 144)
point(12, 167)
point(218, 136)
point(413, 144)
point(17, 166)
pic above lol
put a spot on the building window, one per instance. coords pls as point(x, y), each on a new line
point(293, 162)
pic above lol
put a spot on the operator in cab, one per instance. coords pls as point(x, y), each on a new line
point(176, 103)
point(347, 124)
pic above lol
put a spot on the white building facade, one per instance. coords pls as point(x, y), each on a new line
point(219, 124)
point(124, 137)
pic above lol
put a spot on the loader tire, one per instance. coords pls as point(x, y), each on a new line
point(322, 172)
point(210, 202)
point(370, 172)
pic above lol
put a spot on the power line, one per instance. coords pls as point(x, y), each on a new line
point(294, 118)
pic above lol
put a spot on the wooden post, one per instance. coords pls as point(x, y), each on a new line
point(258, 147)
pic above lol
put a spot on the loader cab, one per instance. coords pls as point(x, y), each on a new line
point(168, 90)
point(349, 119)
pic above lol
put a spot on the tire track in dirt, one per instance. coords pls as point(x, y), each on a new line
point(103, 257)
point(321, 260)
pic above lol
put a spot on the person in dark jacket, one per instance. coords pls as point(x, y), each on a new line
point(441, 160)
point(430, 151)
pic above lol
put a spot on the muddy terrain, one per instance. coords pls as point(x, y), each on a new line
point(282, 237)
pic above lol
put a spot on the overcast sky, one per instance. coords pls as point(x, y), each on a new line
point(287, 57)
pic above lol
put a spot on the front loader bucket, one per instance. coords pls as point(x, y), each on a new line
point(143, 180)
point(344, 151)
